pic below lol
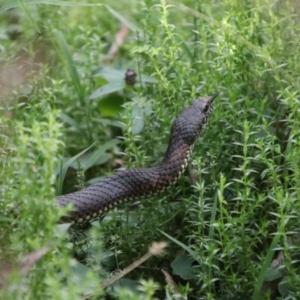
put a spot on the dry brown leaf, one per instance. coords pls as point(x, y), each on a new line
point(119, 40)
point(156, 249)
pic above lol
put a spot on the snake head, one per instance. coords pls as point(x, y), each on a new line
point(204, 107)
point(192, 119)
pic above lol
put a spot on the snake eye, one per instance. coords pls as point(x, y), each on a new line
point(207, 108)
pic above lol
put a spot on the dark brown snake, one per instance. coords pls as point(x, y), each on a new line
point(133, 184)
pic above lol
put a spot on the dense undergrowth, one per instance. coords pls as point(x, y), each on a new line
point(68, 118)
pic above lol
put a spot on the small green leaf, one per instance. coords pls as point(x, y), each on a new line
point(182, 266)
point(108, 89)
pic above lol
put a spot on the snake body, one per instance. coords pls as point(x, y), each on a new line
point(132, 184)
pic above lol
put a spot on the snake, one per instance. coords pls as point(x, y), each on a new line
point(138, 183)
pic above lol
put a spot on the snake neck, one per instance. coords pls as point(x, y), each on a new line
point(175, 160)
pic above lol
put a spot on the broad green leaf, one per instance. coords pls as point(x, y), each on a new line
point(182, 266)
point(99, 156)
point(284, 287)
point(108, 89)
point(94, 158)
point(95, 179)
point(91, 159)
point(111, 106)
point(110, 74)
point(273, 273)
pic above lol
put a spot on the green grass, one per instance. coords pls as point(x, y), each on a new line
point(226, 221)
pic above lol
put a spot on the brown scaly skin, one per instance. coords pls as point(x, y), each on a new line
point(127, 185)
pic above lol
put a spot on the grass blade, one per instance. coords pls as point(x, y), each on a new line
point(64, 168)
point(12, 4)
point(185, 247)
point(123, 20)
point(70, 66)
point(266, 264)
point(68, 120)
point(66, 57)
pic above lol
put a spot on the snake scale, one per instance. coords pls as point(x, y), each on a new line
point(131, 184)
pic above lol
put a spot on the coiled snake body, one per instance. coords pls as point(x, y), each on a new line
point(132, 184)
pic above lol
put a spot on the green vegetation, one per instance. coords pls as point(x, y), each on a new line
point(68, 118)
